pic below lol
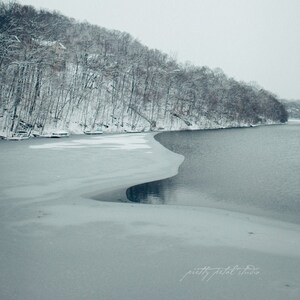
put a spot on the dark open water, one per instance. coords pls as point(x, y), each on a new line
point(253, 170)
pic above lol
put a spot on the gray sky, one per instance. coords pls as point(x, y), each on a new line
point(251, 40)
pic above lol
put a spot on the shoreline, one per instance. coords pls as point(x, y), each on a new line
point(3, 137)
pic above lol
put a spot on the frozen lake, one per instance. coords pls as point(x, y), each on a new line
point(57, 242)
point(255, 170)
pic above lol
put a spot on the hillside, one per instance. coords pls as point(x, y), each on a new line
point(293, 108)
point(56, 72)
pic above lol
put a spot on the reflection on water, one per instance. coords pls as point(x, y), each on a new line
point(151, 192)
point(255, 169)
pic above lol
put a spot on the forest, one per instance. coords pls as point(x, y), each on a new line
point(293, 108)
point(56, 72)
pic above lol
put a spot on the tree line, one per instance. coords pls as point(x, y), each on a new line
point(58, 72)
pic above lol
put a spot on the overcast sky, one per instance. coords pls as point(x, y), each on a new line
point(251, 40)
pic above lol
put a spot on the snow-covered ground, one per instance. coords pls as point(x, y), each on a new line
point(294, 121)
point(59, 243)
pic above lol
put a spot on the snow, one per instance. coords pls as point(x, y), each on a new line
point(130, 142)
point(292, 121)
point(59, 243)
point(49, 43)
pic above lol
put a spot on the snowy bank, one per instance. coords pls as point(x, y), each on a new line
point(59, 243)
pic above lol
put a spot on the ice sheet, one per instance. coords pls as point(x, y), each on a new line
point(58, 243)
